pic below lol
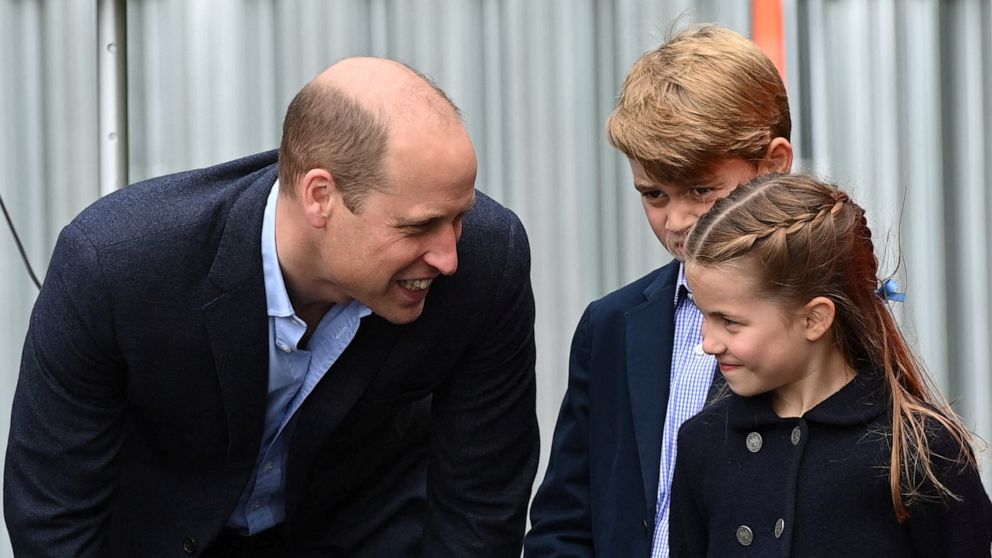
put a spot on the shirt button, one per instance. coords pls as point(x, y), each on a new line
point(779, 528)
point(744, 535)
point(285, 348)
point(753, 442)
point(189, 545)
point(797, 434)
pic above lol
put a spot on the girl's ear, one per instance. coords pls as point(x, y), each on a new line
point(819, 315)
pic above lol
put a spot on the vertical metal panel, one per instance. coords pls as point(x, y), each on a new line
point(887, 115)
point(48, 156)
point(881, 167)
point(923, 222)
point(793, 77)
point(112, 68)
point(817, 114)
point(898, 99)
point(966, 182)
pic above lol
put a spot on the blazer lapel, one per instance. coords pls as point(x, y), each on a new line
point(237, 322)
point(334, 397)
point(650, 336)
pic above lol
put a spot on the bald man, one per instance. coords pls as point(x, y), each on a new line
point(327, 351)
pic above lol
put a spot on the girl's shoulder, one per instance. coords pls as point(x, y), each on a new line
point(944, 443)
point(950, 457)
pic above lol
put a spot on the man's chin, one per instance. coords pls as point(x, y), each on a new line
point(399, 315)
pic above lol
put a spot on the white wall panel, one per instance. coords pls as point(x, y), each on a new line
point(898, 105)
point(966, 184)
point(892, 98)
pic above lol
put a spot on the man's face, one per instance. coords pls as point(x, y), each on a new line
point(672, 209)
point(387, 254)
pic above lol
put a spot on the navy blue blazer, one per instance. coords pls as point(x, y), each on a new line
point(600, 490)
point(140, 403)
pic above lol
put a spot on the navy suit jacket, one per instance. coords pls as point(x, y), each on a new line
point(140, 404)
point(599, 493)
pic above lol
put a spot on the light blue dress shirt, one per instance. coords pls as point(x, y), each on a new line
point(293, 373)
point(691, 375)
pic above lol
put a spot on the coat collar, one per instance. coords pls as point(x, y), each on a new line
point(649, 339)
point(861, 401)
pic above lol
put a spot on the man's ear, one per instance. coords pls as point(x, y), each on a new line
point(318, 196)
point(778, 157)
point(818, 316)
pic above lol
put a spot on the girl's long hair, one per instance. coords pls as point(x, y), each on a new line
point(810, 239)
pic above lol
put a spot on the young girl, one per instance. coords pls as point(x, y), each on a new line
point(832, 443)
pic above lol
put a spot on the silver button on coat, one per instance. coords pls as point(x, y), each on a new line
point(744, 535)
point(753, 442)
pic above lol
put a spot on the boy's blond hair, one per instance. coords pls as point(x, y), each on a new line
point(706, 95)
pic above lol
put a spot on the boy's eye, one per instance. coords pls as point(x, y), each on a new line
point(702, 191)
point(652, 194)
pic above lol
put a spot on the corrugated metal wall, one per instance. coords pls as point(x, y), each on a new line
point(891, 97)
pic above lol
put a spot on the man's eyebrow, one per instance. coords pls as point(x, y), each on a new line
point(416, 221)
point(429, 218)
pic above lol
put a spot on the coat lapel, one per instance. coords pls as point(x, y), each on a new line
point(237, 324)
point(335, 396)
point(650, 337)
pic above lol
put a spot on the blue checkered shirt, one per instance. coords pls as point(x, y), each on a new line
point(691, 375)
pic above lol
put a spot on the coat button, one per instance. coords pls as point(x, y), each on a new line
point(744, 535)
point(753, 442)
point(189, 545)
point(779, 528)
point(797, 434)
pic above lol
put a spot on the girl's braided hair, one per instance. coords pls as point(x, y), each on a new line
point(806, 238)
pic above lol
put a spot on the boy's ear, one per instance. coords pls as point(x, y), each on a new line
point(778, 157)
point(819, 315)
point(318, 194)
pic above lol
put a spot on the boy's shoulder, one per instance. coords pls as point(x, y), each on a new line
point(638, 291)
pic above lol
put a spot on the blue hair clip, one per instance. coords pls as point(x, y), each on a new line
point(890, 291)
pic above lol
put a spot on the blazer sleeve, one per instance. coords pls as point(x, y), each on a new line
point(687, 534)
point(60, 476)
point(960, 527)
point(561, 523)
point(484, 433)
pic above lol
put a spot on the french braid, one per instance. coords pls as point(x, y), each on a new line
point(811, 240)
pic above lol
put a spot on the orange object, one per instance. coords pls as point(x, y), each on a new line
point(768, 32)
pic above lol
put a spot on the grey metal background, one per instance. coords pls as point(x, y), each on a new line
point(892, 98)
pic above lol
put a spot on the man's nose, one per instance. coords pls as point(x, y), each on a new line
point(442, 254)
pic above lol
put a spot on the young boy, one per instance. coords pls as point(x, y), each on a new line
point(697, 117)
